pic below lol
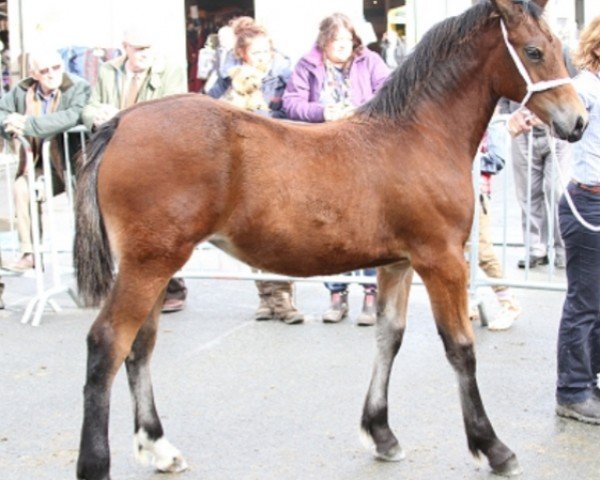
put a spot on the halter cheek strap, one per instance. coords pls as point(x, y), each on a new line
point(531, 87)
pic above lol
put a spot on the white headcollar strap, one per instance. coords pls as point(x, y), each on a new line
point(531, 87)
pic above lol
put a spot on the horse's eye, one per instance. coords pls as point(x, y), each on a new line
point(534, 54)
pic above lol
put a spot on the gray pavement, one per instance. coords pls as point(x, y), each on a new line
point(250, 400)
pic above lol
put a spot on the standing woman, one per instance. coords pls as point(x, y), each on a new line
point(253, 46)
point(577, 393)
point(328, 83)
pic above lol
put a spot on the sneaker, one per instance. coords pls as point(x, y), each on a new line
point(338, 309)
point(473, 310)
point(587, 411)
point(509, 312)
point(22, 265)
point(368, 316)
point(172, 305)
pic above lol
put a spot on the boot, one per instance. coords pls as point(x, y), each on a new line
point(283, 305)
point(265, 294)
point(338, 309)
point(368, 316)
point(264, 310)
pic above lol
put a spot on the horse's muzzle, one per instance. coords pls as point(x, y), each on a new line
point(571, 133)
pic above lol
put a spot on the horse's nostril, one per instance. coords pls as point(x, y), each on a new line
point(580, 124)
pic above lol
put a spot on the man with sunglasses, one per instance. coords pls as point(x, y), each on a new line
point(40, 107)
point(135, 77)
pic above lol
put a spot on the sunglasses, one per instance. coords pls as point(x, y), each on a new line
point(54, 68)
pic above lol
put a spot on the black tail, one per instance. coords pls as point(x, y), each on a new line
point(92, 257)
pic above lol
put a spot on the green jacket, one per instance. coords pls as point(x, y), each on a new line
point(75, 92)
point(161, 81)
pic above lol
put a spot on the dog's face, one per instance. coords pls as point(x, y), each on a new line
point(245, 79)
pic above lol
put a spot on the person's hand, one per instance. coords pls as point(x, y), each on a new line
point(104, 114)
point(522, 121)
point(15, 123)
point(336, 112)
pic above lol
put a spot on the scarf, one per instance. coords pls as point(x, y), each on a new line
point(336, 87)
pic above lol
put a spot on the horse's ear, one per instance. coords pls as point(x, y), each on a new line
point(509, 10)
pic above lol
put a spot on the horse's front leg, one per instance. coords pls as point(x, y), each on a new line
point(109, 342)
point(394, 284)
point(445, 277)
point(149, 443)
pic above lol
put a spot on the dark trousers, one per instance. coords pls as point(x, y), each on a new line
point(578, 359)
point(342, 287)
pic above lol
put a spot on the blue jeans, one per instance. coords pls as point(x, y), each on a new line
point(342, 287)
point(578, 355)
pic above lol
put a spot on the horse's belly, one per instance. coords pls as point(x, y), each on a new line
point(304, 259)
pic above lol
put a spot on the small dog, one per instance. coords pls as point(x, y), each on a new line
point(245, 91)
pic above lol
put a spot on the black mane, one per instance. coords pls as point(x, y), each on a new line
point(434, 66)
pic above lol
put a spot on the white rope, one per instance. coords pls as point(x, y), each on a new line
point(580, 219)
point(531, 87)
point(539, 87)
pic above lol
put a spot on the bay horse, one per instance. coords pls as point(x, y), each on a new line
point(389, 187)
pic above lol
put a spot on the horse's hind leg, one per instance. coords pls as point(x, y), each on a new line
point(109, 342)
point(393, 288)
point(445, 277)
point(150, 444)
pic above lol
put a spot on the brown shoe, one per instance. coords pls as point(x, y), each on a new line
point(172, 305)
point(25, 263)
point(368, 316)
point(338, 309)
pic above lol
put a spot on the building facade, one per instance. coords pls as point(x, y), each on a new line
point(292, 23)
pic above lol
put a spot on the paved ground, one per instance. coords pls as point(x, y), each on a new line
point(247, 400)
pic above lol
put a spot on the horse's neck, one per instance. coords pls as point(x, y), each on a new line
point(464, 116)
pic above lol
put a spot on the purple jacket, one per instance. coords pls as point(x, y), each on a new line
point(301, 97)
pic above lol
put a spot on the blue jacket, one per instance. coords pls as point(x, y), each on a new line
point(273, 83)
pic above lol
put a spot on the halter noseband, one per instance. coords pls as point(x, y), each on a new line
point(531, 87)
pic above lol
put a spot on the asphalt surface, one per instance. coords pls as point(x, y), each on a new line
point(264, 400)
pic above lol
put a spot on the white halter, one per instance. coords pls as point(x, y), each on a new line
point(531, 87)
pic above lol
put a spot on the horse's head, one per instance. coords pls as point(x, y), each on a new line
point(537, 75)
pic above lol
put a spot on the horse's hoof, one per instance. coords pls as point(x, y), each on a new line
point(160, 453)
point(393, 453)
point(509, 468)
point(172, 465)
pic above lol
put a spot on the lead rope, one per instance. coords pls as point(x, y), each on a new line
point(539, 87)
point(580, 219)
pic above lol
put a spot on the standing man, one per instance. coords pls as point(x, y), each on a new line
point(40, 107)
point(543, 179)
point(124, 81)
point(520, 123)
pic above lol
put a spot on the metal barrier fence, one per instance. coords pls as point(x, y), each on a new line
point(209, 263)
